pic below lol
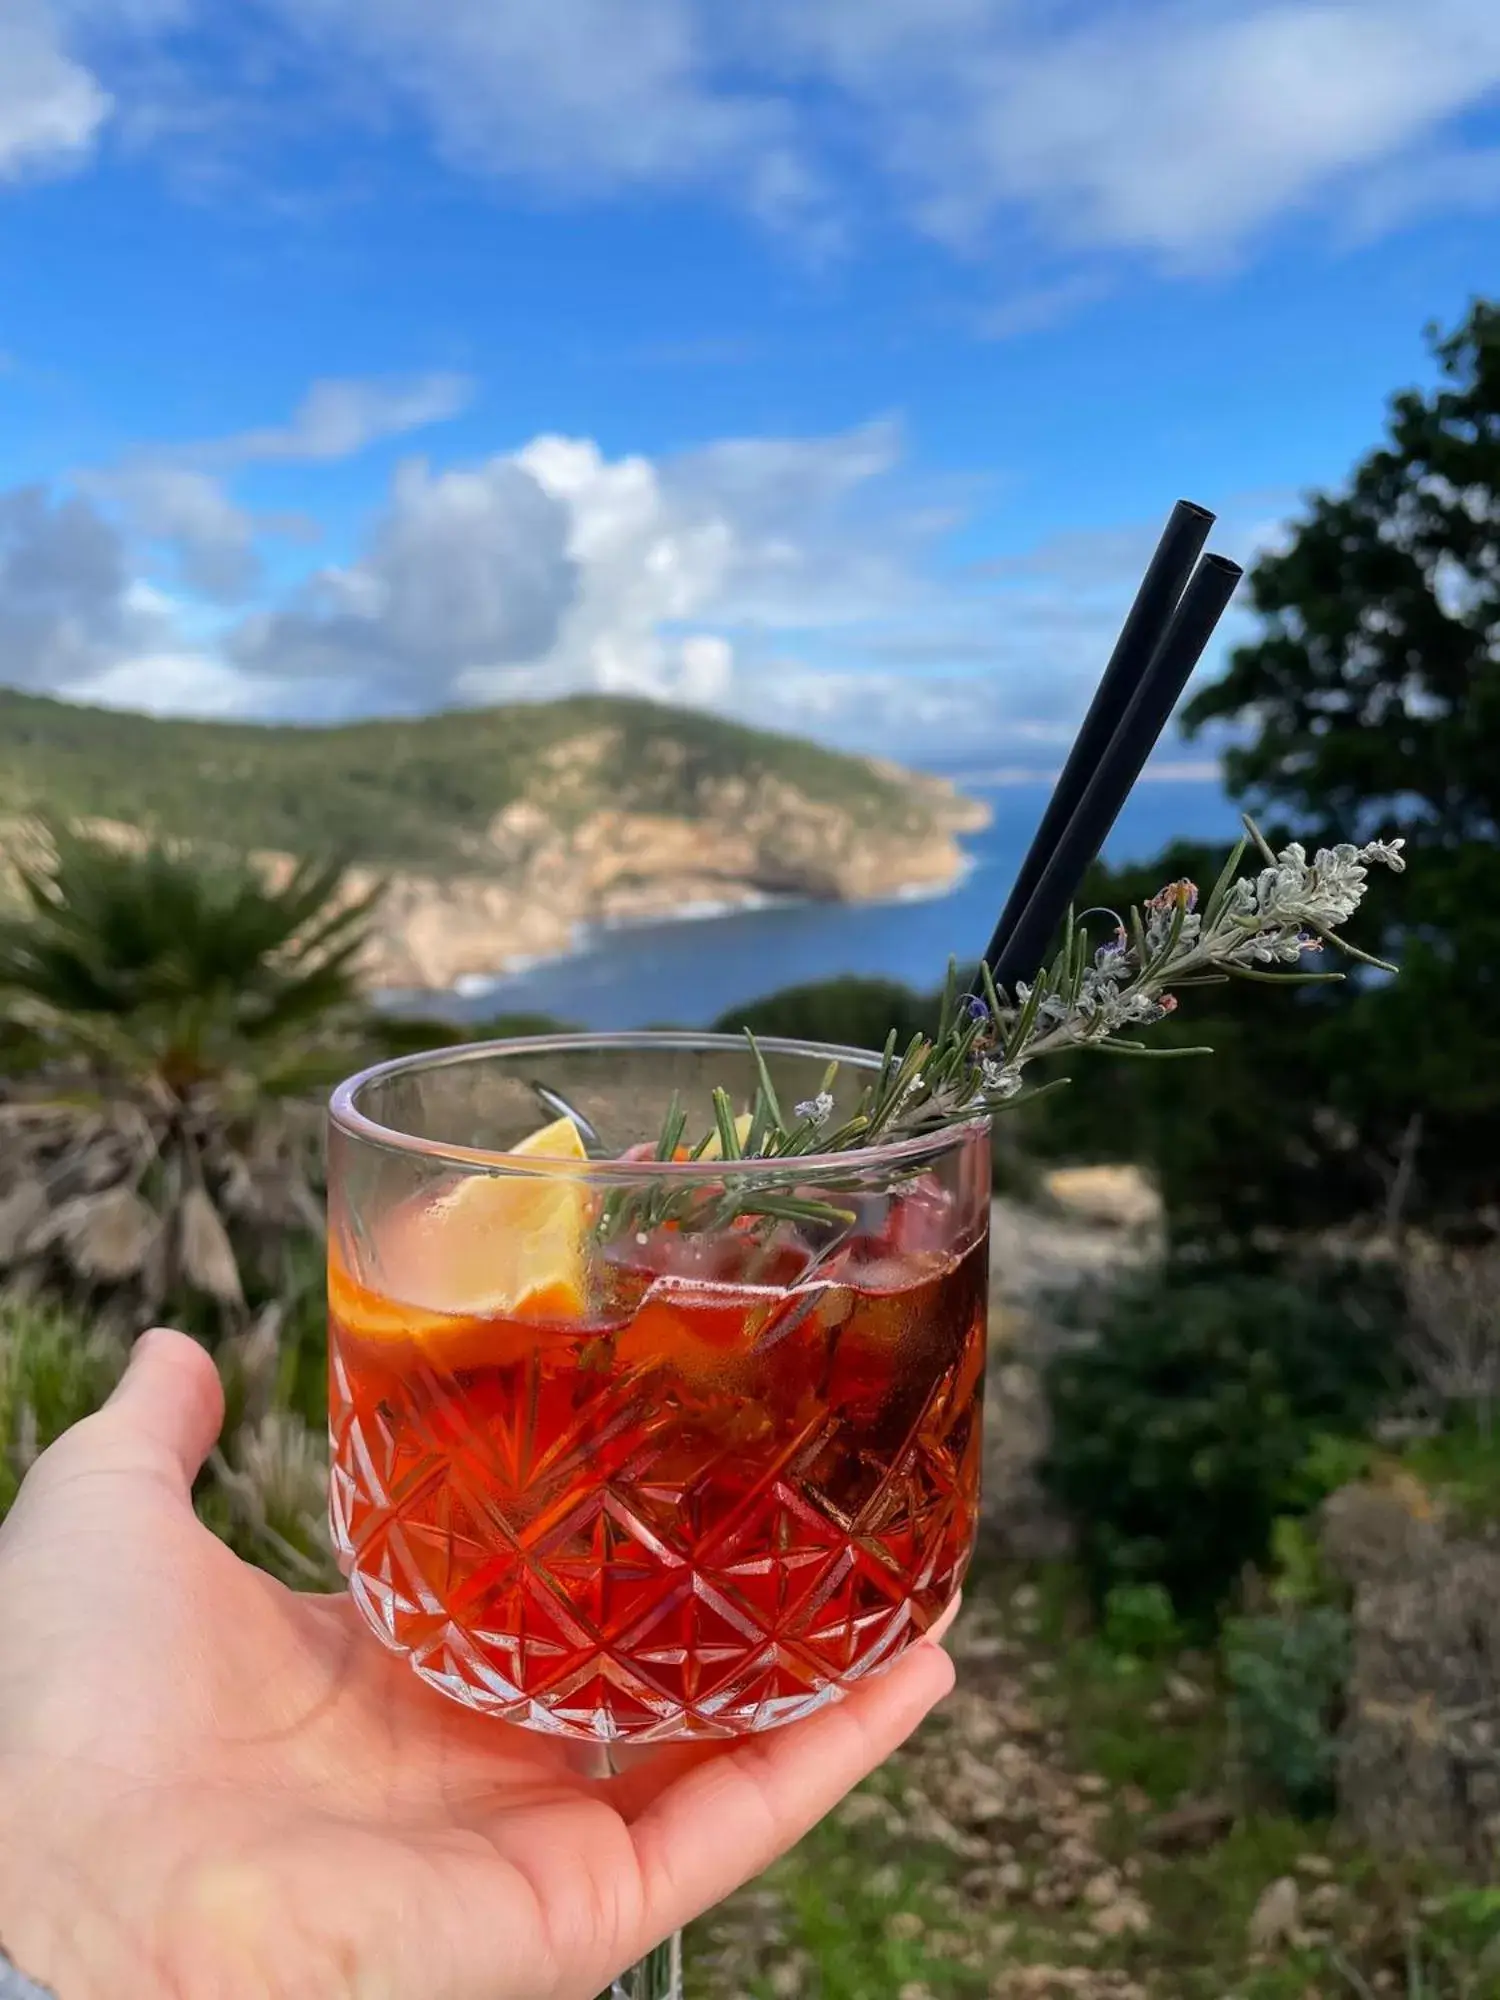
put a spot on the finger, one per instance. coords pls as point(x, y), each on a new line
point(646, 1770)
point(170, 1399)
point(729, 1817)
point(940, 1627)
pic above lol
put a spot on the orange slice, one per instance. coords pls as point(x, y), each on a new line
point(487, 1247)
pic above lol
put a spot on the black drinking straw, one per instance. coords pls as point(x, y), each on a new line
point(1163, 584)
point(1017, 953)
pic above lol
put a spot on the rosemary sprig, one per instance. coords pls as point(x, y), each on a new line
point(971, 1067)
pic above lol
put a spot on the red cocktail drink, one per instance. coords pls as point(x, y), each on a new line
point(678, 1482)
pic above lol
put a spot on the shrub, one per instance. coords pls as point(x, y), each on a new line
point(1139, 1622)
point(1287, 1677)
point(1179, 1435)
point(53, 1371)
point(855, 1012)
point(264, 1490)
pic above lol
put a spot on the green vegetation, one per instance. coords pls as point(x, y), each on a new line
point(177, 1012)
point(417, 793)
point(54, 1370)
point(1179, 1434)
point(1371, 700)
point(852, 1012)
point(888, 1898)
point(1288, 1674)
point(174, 972)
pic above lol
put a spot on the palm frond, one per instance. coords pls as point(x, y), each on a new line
point(158, 960)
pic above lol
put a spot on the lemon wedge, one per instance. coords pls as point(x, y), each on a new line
point(489, 1246)
point(561, 1140)
point(515, 1245)
point(714, 1149)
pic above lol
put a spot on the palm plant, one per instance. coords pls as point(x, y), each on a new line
point(165, 1015)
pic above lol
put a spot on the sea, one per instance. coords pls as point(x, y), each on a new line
point(687, 971)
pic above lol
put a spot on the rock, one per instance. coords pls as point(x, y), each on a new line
point(1120, 1197)
point(1017, 1515)
point(1035, 1253)
point(1325, 1899)
point(1186, 1694)
point(1274, 1919)
point(904, 1925)
point(1197, 1823)
point(1418, 1771)
point(1372, 1533)
point(1314, 1864)
point(980, 1647)
point(1126, 1916)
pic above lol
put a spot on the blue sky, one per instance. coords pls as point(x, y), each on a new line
point(830, 363)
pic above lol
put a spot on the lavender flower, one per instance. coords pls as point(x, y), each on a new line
point(1001, 1080)
point(818, 1109)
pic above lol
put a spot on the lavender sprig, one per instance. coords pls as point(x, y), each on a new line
point(1254, 927)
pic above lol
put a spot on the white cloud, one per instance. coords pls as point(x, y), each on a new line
point(581, 98)
point(1035, 308)
point(684, 565)
point(171, 501)
point(210, 537)
point(339, 417)
point(1172, 127)
point(51, 107)
point(1445, 181)
point(174, 683)
point(1176, 130)
point(64, 606)
point(553, 568)
point(796, 581)
point(466, 570)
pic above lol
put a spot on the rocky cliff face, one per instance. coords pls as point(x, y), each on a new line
point(538, 877)
point(555, 859)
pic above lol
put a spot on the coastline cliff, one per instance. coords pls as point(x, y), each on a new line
point(499, 832)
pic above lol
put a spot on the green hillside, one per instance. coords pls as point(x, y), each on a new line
point(420, 793)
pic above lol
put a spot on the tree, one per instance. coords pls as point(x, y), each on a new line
point(174, 1010)
point(1375, 690)
point(1372, 700)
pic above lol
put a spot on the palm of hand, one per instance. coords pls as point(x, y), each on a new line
point(212, 1786)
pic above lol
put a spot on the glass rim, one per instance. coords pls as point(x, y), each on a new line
point(346, 1117)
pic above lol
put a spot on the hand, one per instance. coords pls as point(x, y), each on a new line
point(213, 1788)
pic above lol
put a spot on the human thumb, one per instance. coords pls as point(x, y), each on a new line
point(171, 1399)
